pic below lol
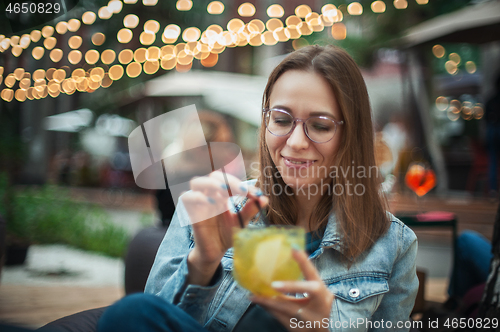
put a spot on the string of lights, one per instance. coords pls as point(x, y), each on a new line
point(179, 54)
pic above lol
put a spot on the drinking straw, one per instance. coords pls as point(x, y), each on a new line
point(240, 219)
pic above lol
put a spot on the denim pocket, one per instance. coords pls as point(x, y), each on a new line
point(356, 288)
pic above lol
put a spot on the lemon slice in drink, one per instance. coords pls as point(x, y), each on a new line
point(269, 254)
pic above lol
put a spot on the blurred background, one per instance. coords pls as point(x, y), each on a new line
point(75, 83)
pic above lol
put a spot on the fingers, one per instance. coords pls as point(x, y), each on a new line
point(250, 208)
point(308, 287)
point(307, 268)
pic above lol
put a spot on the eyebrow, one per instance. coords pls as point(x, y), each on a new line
point(281, 107)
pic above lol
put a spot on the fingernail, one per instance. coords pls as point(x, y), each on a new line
point(258, 193)
point(243, 188)
point(296, 247)
point(210, 200)
point(277, 284)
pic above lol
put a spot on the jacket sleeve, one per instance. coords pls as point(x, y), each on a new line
point(397, 304)
point(168, 276)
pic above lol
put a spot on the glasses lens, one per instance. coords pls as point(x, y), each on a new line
point(320, 129)
point(279, 122)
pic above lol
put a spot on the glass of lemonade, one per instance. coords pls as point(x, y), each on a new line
point(264, 255)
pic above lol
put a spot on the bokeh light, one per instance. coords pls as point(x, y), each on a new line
point(19, 73)
point(149, 2)
point(153, 53)
point(35, 35)
point(134, 69)
point(47, 31)
point(455, 58)
point(38, 52)
point(88, 18)
point(339, 31)
point(184, 5)
point(116, 72)
point(91, 57)
point(235, 25)
point(7, 95)
point(126, 56)
point(299, 43)
point(17, 50)
point(152, 26)
point(438, 51)
point(75, 42)
point(302, 11)
point(168, 62)
point(124, 35)
point(62, 27)
point(451, 67)
point(49, 43)
point(400, 4)
point(246, 9)
point(130, 21)
point(108, 56)
point(74, 25)
point(10, 80)
point(273, 24)
point(456, 105)
point(98, 38)
point(442, 103)
point(304, 29)
point(56, 55)
point(140, 55)
point(275, 11)
point(191, 34)
point(210, 61)
point(115, 6)
point(478, 111)
point(422, 2)
point(378, 7)
point(470, 66)
point(104, 13)
point(215, 8)
point(355, 8)
point(172, 31)
point(183, 68)
point(147, 38)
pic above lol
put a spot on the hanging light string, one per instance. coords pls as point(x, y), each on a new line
point(203, 46)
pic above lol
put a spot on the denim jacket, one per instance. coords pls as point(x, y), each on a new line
point(378, 289)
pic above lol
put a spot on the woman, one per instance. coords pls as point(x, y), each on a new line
point(316, 145)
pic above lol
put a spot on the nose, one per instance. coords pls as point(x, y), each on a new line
point(298, 139)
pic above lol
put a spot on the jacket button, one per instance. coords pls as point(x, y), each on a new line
point(354, 292)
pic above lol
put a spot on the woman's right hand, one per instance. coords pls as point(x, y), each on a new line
point(213, 235)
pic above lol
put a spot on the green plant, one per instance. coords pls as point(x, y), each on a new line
point(47, 214)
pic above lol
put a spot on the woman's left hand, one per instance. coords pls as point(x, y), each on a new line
point(311, 313)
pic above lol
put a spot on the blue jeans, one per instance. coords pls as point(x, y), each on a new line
point(472, 265)
point(146, 313)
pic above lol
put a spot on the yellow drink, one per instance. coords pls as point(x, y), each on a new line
point(264, 255)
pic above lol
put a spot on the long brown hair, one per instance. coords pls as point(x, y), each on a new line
point(361, 219)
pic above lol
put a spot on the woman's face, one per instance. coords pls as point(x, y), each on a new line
point(301, 161)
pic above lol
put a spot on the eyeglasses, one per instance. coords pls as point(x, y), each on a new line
point(319, 129)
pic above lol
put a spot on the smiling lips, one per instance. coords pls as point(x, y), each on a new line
point(297, 163)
